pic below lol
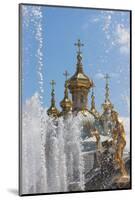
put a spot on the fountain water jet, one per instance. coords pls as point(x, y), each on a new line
point(49, 147)
point(62, 151)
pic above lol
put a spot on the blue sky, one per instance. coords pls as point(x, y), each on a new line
point(106, 38)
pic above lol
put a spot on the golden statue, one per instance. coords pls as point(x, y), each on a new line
point(95, 133)
point(119, 143)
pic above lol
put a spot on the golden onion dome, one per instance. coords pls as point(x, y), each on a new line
point(107, 105)
point(53, 111)
point(79, 79)
point(66, 103)
point(93, 109)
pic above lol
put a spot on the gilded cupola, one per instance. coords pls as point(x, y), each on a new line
point(79, 84)
point(53, 111)
point(93, 109)
point(107, 105)
point(66, 103)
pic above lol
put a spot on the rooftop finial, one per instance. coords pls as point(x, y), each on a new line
point(79, 57)
point(93, 99)
point(93, 107)
point(52, 83)
point(79, 45)
point(66, 74)
point(53, 110)
point(66, 103)
point(107, 77)
point(107, 104)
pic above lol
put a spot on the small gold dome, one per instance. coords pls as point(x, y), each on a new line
point(107, 105)
point(79, 79)
point(66, 103)
point(93, 107)
point(53, 111)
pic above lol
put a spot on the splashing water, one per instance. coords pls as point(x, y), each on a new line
point(39, 37)
point(51, 152)
point(62, 160)
point(32, 16)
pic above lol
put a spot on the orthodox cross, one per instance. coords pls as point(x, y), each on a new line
point(66, 74)
point(52, 83)
point(79, 45)
point(107, 77)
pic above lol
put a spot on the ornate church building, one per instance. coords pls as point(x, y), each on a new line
point(100, 126)
point(79, 85)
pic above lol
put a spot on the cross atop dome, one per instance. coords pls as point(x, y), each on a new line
point(66, 74)
point(107, 77)
point(52, 83)
point(79, 45)
point(53, 111)
point(66, 103)
point(107, 105)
